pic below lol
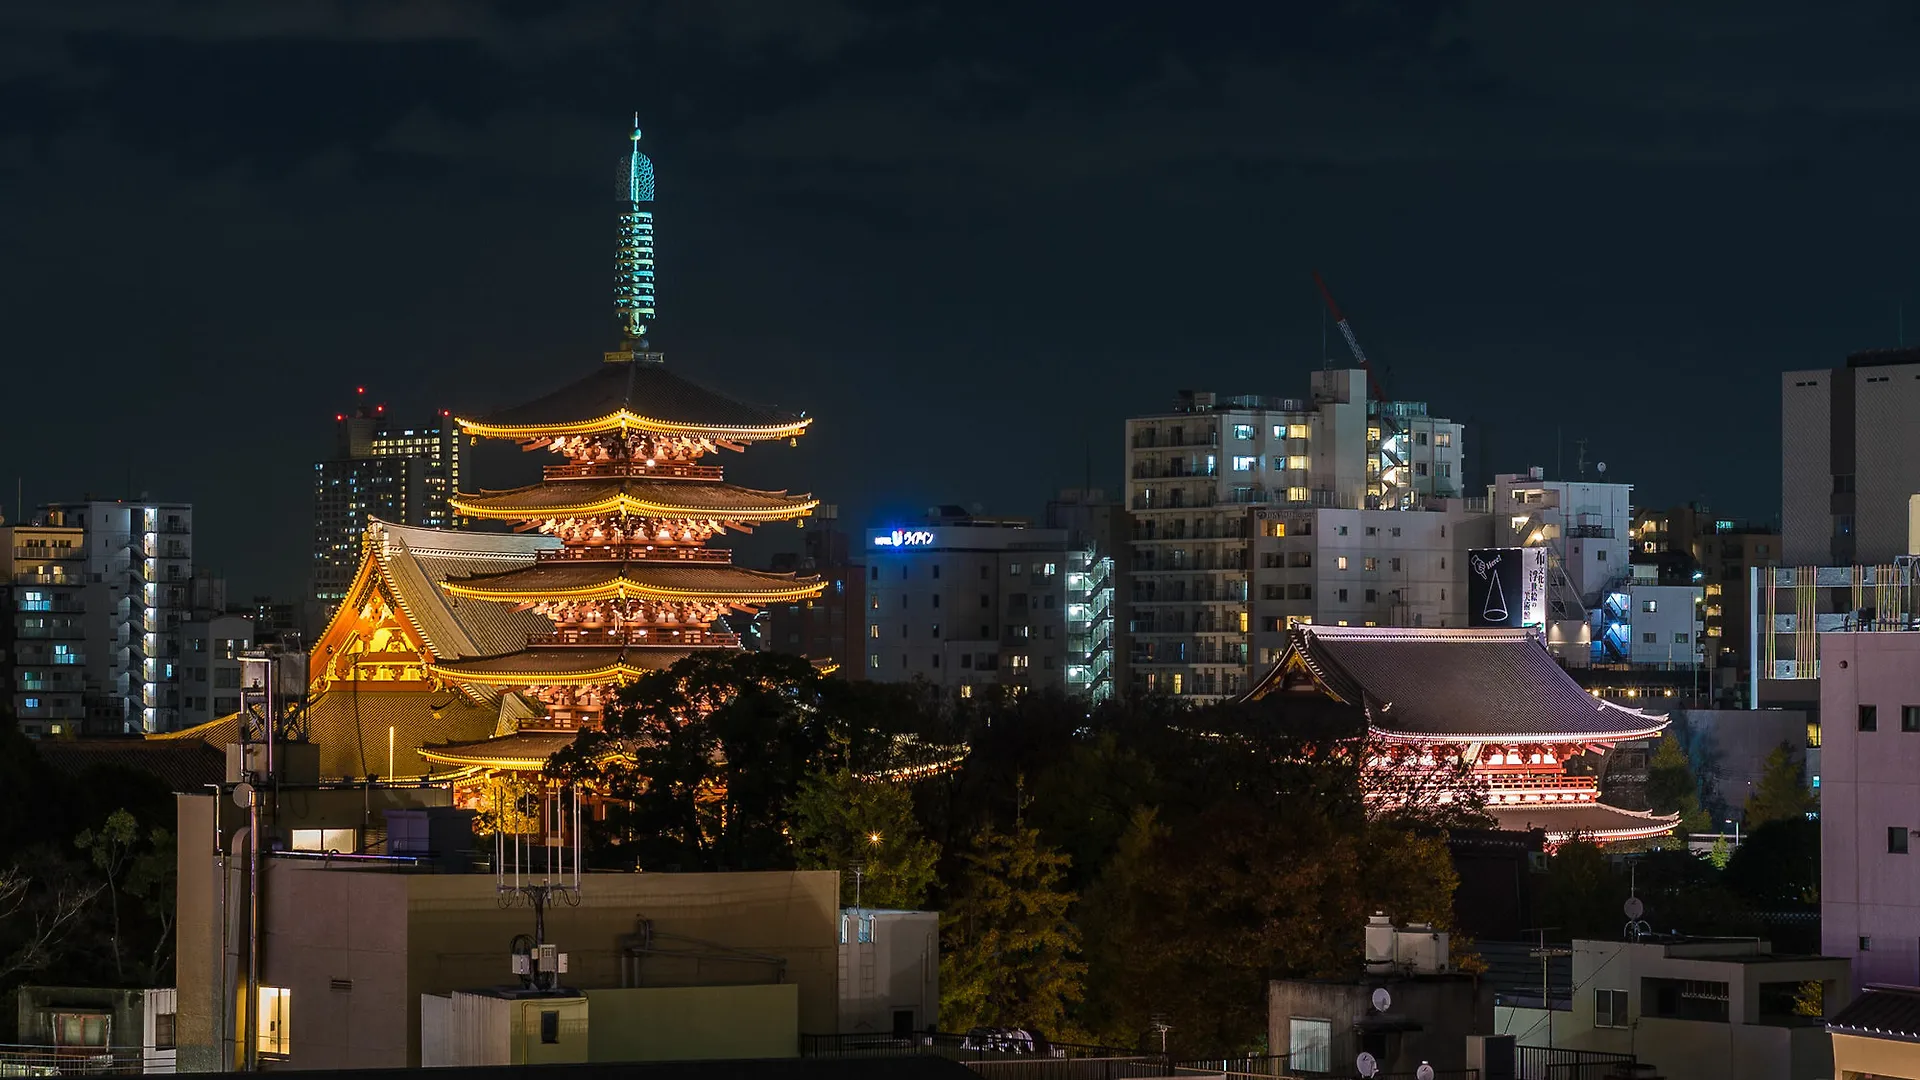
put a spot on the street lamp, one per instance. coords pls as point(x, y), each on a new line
point(873, 838)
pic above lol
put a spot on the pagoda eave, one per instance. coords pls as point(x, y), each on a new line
point(510, 510)
point(624, 420)
point(522, 751)
point(730, 586)
point(1597, 822)
point(562, 665)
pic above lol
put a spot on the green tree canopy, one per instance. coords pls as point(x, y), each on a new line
point(841, 822)
point(1009, 954)
point(1672, 787)
point(1781, 794)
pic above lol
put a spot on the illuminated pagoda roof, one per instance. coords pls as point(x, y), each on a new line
point(609, 579)
point(351, 729)
point(637, 394)
point(524, 751)
point(1453, 684)
point(636, 496)
point(563, 664)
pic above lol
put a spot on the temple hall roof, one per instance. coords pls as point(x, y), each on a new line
point(351, 728)
point(557, 664)
point(1430, 683)
point(1881, 1012)
point(525, 750)
point(651, 498)
point(1593, 821)
point(182, 765)
point(414, 561)
point(607, 579)
point(641, 394)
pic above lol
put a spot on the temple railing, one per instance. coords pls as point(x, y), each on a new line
point(638, 553)
point(666, 470)
point(689, 638)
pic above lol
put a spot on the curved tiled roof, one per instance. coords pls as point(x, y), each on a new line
point(1595, 820)
point(595, 579)
point(520, 750)
point(1453, 683)
point(551, 664)
point(181, 764)
point(662, 498)
point(648, 395)
point(351, 728)
point(416, 560)
point(1881, 1012)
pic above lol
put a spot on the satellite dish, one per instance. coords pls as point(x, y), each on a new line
point(1633, 907)
point(1366, 1066)
point(243, 795)
point(1382, 1001)
point(1602, 466)
point(1424, 1072)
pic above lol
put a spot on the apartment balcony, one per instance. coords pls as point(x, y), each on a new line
point(49, 633)
point(59, 579)
point(36, 553)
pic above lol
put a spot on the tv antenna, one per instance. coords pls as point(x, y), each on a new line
point(1636, 927)
point(536, 860)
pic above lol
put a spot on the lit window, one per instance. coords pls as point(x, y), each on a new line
point(1309, 1045)
point(275, 1032)
point(1243, 431)
point(873, 662)
point(1246, 464)
point(1649, 605)
point(1295, 431)
point(1372, 563)
point(873, 631)
point(1299, 495)
point(1340, 563)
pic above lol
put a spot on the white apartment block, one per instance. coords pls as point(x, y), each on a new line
point(963, 603)
point(139, 577)
point(1238, 506)
point(1587, 529)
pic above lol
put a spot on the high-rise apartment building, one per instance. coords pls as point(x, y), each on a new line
point(1585, 526)
point(43, 646)
point(963, 603)
point(829, 629)
point(392, 471)
point(1244, 510)
point(138, 570)
point(1846, 445)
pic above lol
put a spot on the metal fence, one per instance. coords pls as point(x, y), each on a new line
point(1542, 1063)
point(19, 1060)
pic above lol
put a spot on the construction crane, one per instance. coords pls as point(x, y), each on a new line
point(1346, 331)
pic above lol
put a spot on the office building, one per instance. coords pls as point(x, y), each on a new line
point(43, 644)
point(1870, 803)
point(1724, 551)
point(1209, 477)
point(829, 629)
point(964, 603)
point(211, 646)
point(138, 578)
point(398, 473)
point(1846, 444)
point(1584, 528)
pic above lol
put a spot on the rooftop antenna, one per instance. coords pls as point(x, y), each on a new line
point(536, 860)
point(1636, 927)
point(1580, 457)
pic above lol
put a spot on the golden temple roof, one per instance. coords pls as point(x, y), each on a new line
point(637, 395)
point(608, 579)
point(640, 497)
point(525, 751)
point(351, 728)
point(552, 665)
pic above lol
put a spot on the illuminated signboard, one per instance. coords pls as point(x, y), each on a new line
point(904, 538)
point(1507, 587)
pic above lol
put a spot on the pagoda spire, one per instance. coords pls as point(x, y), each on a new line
point(633, 290)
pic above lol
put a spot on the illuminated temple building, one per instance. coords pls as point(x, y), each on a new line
point(1533, 741)
point(465, 654)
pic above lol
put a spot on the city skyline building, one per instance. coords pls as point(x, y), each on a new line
point(138, 572)
point(397, 472)
point(1848, 473)
point(1725, 550)
point(43, 644)
point(1099, 556)
point(964, 603)
point(1200, 476)
point(830, 629)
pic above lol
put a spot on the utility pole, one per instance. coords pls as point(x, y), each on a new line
point(1545, 955)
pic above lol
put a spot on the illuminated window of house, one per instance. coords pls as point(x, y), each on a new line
point(1297, 431)
point(1243, 622)
point(275, 1033)
point(325, 840)
point(81, 1029)
point(1341, 563)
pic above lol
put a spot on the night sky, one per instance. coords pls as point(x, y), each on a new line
point(969, 239)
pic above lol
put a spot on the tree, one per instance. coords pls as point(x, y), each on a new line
point(1781, 794)
point(36, 917)
point(699, 762)
point(841, 822)
point(1582, 894)
point(1672, 788)
point(1009, 956)
point(1778, 864)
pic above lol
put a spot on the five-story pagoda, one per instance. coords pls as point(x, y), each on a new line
point(632, 587)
